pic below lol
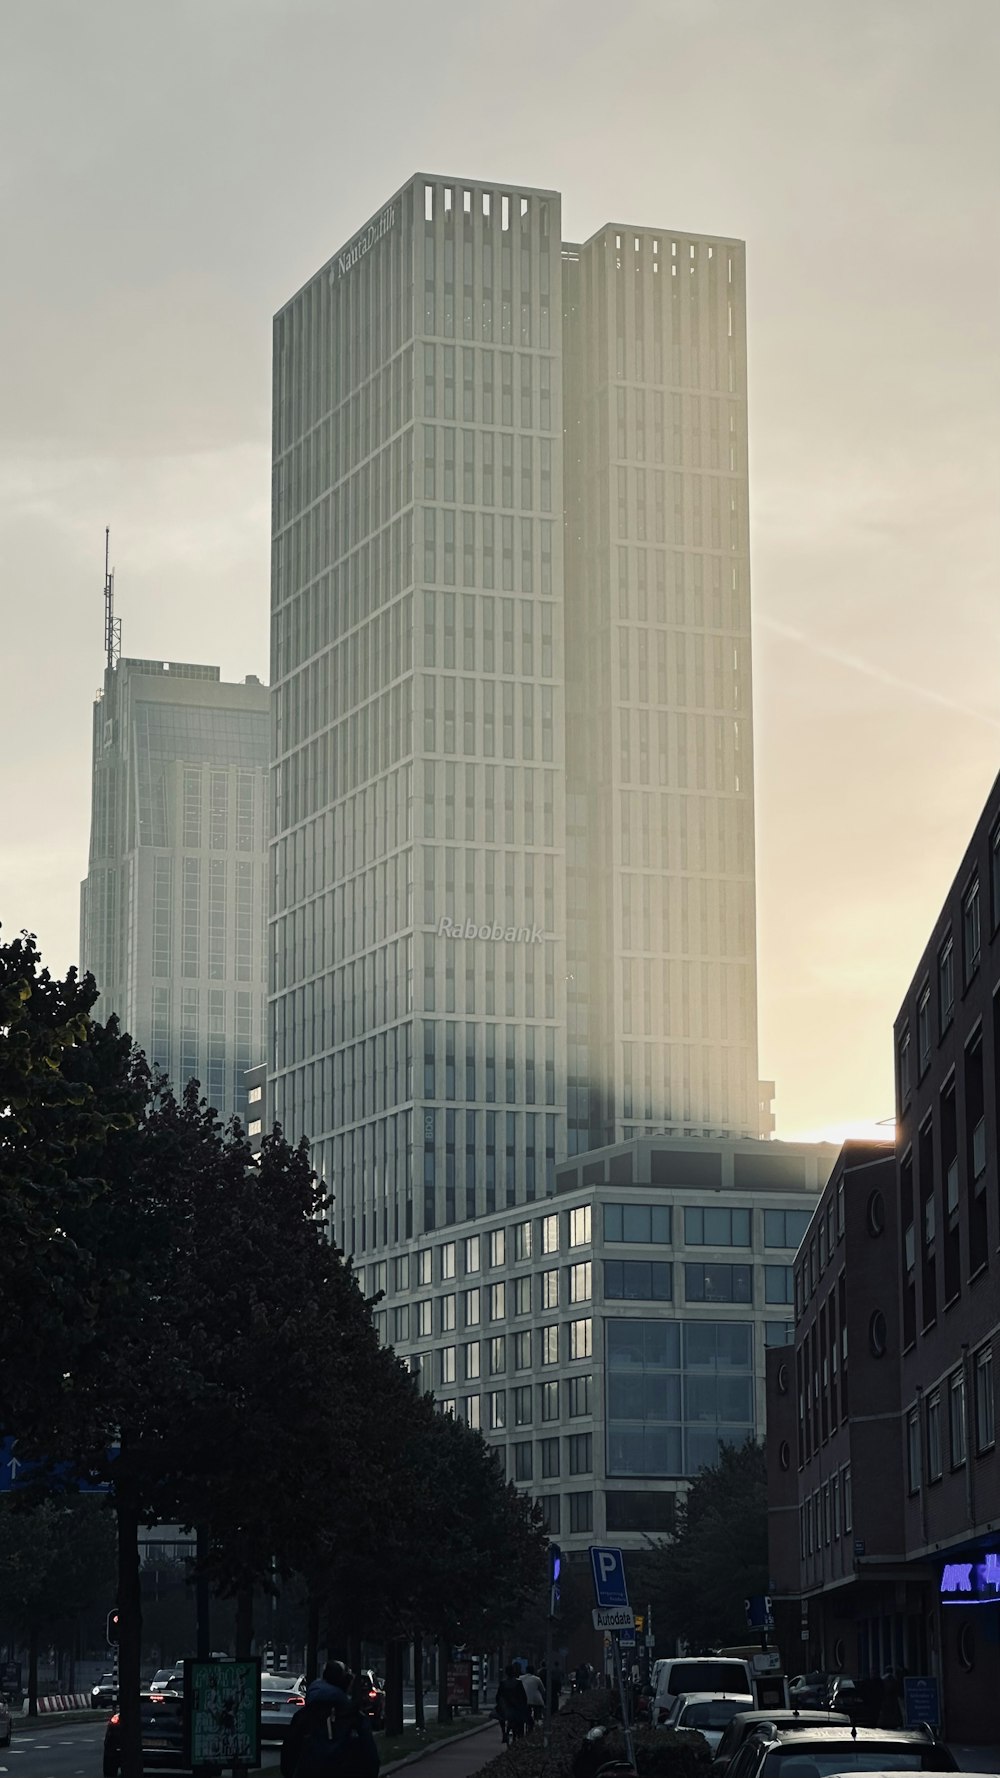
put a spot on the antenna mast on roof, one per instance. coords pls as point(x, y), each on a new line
point(112, 624)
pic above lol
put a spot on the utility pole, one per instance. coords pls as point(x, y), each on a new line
point(555, 1568)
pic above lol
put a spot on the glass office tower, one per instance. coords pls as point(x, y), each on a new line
point(459, 402)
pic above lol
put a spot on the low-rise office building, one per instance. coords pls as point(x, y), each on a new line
point(608, 1338)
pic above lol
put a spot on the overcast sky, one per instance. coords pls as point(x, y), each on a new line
point(172, 170)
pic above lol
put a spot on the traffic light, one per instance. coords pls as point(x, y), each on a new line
point(555, 1568)
point(112, 1629)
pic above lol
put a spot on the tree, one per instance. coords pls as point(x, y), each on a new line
point(698, 1579)
point(57, 1559)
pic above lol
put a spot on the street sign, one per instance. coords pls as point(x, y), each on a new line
point(608, 1566)
point(627, 1638)
point(613, 1617)
point(921, 1702)
point(759, 1613)
point(16, 1472)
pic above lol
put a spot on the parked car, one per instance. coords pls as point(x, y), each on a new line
point(759, 1722)
point(104, 1693)
point(281, 1694)
point(821, 1752)
point(832, 1691)
point(371, 1697)
point(162, 1735)
point(5, 1721)
point(720, 1675)
point(706, 1712)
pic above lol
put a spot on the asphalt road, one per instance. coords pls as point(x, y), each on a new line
point(65, 1750)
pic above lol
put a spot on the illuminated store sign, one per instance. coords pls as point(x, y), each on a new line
point(971, 1583)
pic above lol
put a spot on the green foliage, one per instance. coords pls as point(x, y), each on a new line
point(57, 1559)
point(659, 1753)
point(698, 1579)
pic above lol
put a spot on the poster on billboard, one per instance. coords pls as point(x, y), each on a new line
point(222, 1712)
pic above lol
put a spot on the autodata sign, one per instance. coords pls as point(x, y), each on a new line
point(614, 1617)
point(222, 1712)
point(610, 1587)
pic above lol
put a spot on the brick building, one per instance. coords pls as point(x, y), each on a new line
point(884, 1483)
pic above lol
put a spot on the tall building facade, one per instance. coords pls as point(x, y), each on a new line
point(512, 878)
point(172, 911)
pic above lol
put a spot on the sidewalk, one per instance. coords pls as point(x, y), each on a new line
point(457, 1757)
point(975, 1759)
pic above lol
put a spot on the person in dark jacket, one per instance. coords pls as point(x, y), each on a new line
point(330, 1737)
point(512, 1705)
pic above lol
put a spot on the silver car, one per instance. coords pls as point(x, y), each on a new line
point(281, 1695)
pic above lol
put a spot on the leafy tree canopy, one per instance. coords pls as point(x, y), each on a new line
point(698, 1579)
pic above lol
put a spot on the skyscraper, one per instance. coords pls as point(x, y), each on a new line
point(172, 908)
point(455, 393)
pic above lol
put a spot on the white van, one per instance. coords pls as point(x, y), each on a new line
point(718, 1674)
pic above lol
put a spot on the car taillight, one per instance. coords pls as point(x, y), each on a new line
point(114, 1719)
point(295, 1699)
point(373, 1694)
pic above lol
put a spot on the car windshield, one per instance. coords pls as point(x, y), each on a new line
point(712, 1713)
point(824, 1762)
point(708, 1676)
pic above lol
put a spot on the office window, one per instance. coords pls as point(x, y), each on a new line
point(498, 1409)
point(522, 1296)
point(522, 1404)
point(424, 1266)
point(472, 1309)
point(448, 1364)
point(423, 1320)
point(522, 1240)
point(924, 1029)
point(550, 1289)
point(716, 1227)
point(579, 1226)
point(550, 1234)
point(550, 1344)
point(946, 983)
point(785, 1228)
point(548, 1400)
point(913, 1465)
point(581, 1339)
point(638, 1280)
point(549, 1454)
point(579, 1396)
point(644, 1223)
point(522, 1350)
point(498, 1355)
point(448, 1312)
point(401, 1272)
point(675, 1393)
point(472, 1253)
point(779, 1333)
point(956, 1418)
point(778, 1284)
point(935, 1458)
point(473, 1412)
point(970, 931)
point(498, 1247)
point(580, 1453)
point(401, 1323)
point(903, 1067)
point(472, 1361)
point(845, 1490)
point(985, 1411)
point(581, 1511)
point(580, 1282)
point(498, 1302)
point(719, 1283)
point(522, 1461)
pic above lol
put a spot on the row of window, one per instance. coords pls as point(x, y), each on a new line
point(523, 1405)
point(826, 1514)
point(820, 1250)
point(971, 945)
point(489, 385)
point(925, 1431)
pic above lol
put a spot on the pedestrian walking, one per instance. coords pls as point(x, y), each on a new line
point(512, 1705)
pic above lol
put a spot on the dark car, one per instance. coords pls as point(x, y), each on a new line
point(162, 1717)
point(104, 1693)
point(833, 1691)
point(761, 1722)
point(821, 1752)
point(371, 1697)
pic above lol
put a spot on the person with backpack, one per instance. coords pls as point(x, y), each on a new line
point(330, 1737)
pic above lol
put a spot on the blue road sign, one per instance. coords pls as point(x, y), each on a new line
point(16, 1472)
point(610, 1588)
point(627, 1638)
point(921, 1702)
point(758, 1612)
